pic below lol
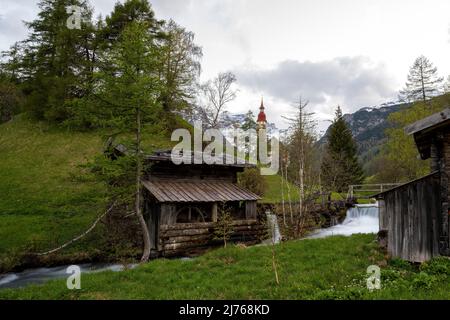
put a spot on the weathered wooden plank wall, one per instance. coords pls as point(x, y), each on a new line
point(411, 216)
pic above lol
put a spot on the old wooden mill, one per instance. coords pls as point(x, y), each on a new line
point(414, 216)
point(182, 204)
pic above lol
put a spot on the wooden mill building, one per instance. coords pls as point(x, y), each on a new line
point(183, 202)
point(414, 217)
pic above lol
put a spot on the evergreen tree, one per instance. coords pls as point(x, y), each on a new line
point(126, 13)
point(423, 81)
point(127, 91)
point(249, 121)
point(340, 166)
point(54, 58)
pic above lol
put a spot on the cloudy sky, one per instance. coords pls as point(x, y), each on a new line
point(355, 53)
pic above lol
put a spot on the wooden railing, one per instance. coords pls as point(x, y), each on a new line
point(365, 191)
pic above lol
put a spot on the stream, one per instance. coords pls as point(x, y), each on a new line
point(363, 218)
point(41, 275)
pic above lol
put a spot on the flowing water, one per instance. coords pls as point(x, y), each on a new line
point(363, 218)
point(41, 275)
point(274, 229)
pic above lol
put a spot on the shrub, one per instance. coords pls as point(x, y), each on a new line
point(437, 266)
point(252, 180)
point(423, 281)
point(10, 101)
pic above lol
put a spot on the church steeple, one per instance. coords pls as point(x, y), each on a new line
point(261, 121)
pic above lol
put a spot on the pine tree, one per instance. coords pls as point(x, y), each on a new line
point(249, 121)
point(127, 97)
point(126, 13)
point(423, 81)
point(54, 58)
point(340, 166)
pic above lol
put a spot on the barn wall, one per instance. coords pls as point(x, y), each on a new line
point(168, 170)
point(250, 210)
point(445, 194)
point(412, 219)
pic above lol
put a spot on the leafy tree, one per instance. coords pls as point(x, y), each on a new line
point(128, 91)
point(340, 166)
point(423, 81)
point(179, 68)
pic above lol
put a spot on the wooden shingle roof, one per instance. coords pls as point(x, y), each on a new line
point(197, 191)
point(426, 129)
point(429, 123)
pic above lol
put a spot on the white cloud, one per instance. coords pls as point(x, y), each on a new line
point(350, 81)
point(282, 48)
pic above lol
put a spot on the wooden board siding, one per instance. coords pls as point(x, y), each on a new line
point(411, 214)
point(444, 242)
point(250, 210)
point(169, 170)
point(181, 238)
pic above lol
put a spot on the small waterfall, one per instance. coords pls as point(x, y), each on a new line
point(363, 218)
point(362, 210)
point(274, 228)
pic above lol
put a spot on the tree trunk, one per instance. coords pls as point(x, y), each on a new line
point(138, 209)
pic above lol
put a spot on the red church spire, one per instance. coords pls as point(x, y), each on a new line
point(261, 115)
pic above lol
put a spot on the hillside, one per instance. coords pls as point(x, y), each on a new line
point(46, 198)
point(368, 127)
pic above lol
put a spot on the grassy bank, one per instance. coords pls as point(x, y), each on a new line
point(45, 197)
point(330, 268)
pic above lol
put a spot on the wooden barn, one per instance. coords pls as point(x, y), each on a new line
point(183, 202)
point(414, 216)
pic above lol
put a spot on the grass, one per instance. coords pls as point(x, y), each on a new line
point(273, 193)
point(330, 268)
point(43, 200)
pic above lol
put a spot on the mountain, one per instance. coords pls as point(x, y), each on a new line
point(368, 126)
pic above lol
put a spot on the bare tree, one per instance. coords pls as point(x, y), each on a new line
point(423, 81)
point(217, 93)
point(447, 85)
point(301, 148)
